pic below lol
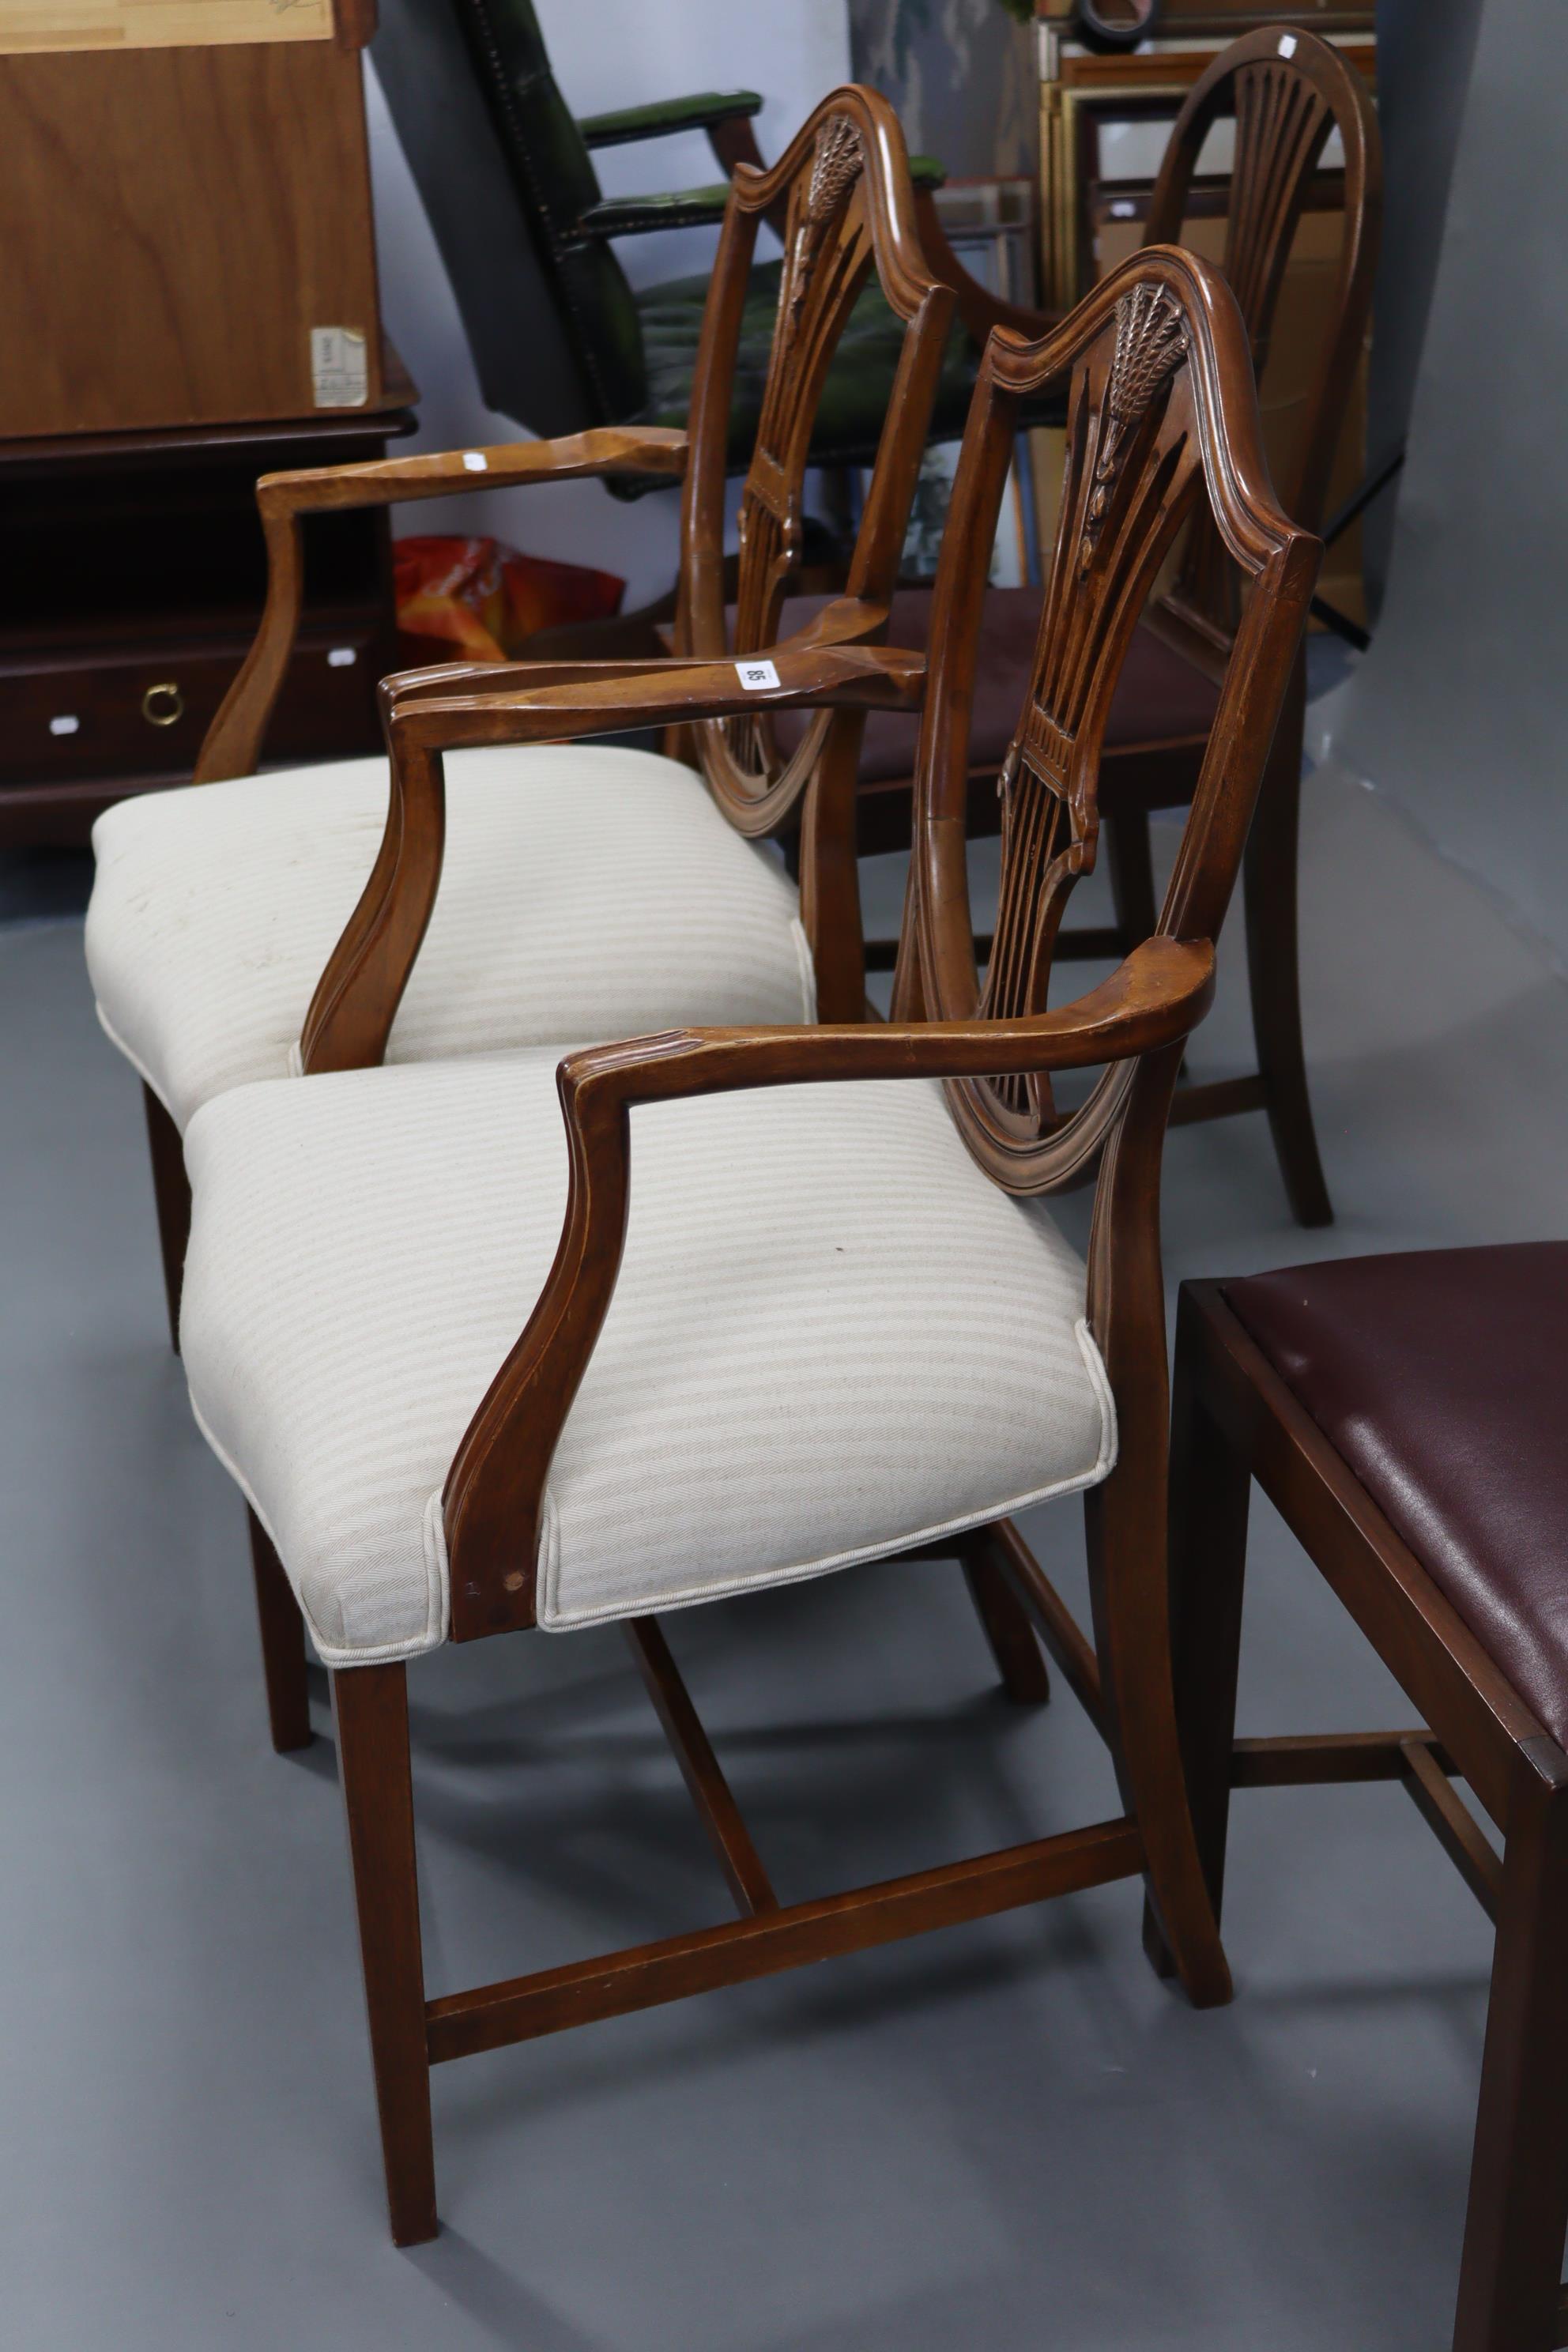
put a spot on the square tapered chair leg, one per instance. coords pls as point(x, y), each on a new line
point(283, 1646)
point(370, 1706)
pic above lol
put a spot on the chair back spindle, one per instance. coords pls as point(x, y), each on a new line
point(1288, 92)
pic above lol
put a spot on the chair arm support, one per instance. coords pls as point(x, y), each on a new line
point(1160, 992)
point(233, 744)
point(667, 117)
point(357, 997)
point(538, 702)
point(642, 215)
point(494, 1491)
point(450, 473)
point(846, 621)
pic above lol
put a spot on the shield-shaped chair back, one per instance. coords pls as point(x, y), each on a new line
point(1163, 424)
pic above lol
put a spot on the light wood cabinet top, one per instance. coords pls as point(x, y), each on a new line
point(28, 25)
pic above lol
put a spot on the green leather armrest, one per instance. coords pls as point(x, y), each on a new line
point(639, 215)
point(699, 208)
point(668, 116)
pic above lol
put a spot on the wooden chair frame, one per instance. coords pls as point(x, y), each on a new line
point(1164, 407)
point(1235, 1420)
point(848, 201)
point(1286, 106)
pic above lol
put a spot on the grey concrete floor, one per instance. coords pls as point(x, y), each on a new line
point(1008, 2136)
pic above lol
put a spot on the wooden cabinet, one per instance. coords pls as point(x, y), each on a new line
point(189, 237)
point(132, 573)
point(191, 302)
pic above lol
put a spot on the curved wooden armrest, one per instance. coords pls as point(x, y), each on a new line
point(1153, 998)
point(448, 473)
point(846, 621)
point(234, 741)
point(357, 997)
point(495, 1489)
point(560, 702)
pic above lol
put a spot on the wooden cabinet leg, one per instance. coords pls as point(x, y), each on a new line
point(172, 1195)
point(1509, 2285)
point(1006, 1623)
point(371, 1704)
point(282, 1645)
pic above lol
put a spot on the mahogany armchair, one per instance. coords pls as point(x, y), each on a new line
point(591, 891)
point(777, 1315)
point(1288, 92)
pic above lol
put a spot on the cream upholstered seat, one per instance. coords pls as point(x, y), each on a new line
point(588, 891)
point(831, 1335)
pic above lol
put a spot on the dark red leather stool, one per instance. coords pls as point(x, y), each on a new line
point(1408, 1417)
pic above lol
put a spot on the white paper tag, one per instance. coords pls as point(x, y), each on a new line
point(1287, 45)
point(339, 369)
point(756, 675)
point(476, 461)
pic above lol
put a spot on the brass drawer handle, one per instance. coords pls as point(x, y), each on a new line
point(163, 705)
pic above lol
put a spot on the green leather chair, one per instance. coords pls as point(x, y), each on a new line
point(560, 337)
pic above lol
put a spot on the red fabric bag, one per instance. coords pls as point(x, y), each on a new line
point(478, 600)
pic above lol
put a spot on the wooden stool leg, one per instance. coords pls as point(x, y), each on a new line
point(172, 1195)
point(1509, 2285)
point(1132, 867)
point(282, 1645)
point(1004, 1621)
point(1273, 966)
point(1211, 1488)
point(371, 1704)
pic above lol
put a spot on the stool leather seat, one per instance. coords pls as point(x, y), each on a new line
point(1438, 1376)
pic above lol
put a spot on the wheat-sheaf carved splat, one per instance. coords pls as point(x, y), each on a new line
point(1151, 340)
point(1130, 464)
point(827, 255)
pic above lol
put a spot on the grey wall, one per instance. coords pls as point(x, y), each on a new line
point(1460, 711)
point(1426, 49)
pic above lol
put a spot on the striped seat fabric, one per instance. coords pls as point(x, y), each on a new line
point(588, 892)
point(831, 1335)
